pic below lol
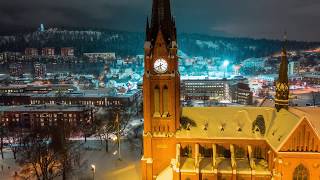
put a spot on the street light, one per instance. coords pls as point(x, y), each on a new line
point(93, 169)
point(225, 65)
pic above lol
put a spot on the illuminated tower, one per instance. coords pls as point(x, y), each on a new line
point(161, 90)
point(282, 84)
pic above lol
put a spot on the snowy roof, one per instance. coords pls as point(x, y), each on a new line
point(45, 108)
point(237, 123)
point(311, 114)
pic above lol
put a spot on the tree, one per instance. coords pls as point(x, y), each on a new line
point(108, 124)
point(86, 129)
point(14, 139)
point(38, 152)
point(3, 134)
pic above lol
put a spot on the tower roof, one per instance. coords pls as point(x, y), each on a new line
point(283, 71)
point(161, 20)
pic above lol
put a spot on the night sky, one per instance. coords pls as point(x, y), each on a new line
point(238, 18)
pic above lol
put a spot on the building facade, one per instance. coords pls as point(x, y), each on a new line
point(15, 70)
point(67, 52)
point(39, 70)
point(45, 115)
point(48, 52)
point(219, 143)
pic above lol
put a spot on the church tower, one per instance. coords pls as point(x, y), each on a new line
point(282, 84)
point(161, 80)
point(161, 90)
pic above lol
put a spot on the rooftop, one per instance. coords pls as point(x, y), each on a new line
point(239, 123)
point(44, 108)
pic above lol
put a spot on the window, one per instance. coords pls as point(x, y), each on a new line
point(301, 173)
point(165, 102)
point(187, 151)
point(156, 102)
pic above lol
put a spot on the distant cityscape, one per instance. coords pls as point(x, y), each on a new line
point(42, 86)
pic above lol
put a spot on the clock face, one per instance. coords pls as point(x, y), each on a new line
point(160, 66)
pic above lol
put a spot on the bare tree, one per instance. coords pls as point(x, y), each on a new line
point(86, 129)
point(37, 152)
point(3, 135)
point(108, 124)
point(14, 139)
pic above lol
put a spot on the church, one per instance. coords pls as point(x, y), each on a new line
point(219, 143)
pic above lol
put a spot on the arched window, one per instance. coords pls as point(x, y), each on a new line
point(301, 173)
point(165, 100)
point(156, 102)
point(186, 151)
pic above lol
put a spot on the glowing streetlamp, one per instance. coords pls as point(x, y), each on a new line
point(93, 169)
point(225, 65)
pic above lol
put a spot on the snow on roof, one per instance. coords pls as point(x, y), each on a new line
point(312, 114)
point(237, 123)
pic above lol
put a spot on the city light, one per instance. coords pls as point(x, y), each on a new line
point(93, 167)
point(226, 63)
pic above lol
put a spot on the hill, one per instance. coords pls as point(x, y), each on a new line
point(131, 43)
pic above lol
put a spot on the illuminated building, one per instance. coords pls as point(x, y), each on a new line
point(39, 70)
point(293, 68)
point(219, 143)
point(241, 94)
point(15, 70)
point(212, 89)
point(100, 56)
point(45, 115)
point(311, 79)
point(48, 52)
point(31, 52)
point(67, 52)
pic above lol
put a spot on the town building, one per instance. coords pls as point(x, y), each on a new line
point(67, 52)
point(204, 88)
point(219, 143)
point(311, 78)
point(48, 52)
point(15, 70)
point(241, 94)
point(9, 56)
point(39, 71)
point(14, 89)
point(293, 68)
point(32, 96)
point(100, 56)
point(45, 115)
point(31, 52)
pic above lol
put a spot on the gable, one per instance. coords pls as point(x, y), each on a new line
point(302, 139)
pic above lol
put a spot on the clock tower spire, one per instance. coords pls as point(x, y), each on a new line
point(161, 90)
point(161, 82)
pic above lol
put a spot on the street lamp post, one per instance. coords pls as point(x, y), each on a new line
point(93, 169)
point(225, 65)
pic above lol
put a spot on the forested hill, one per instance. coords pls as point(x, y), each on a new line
point(131, 43)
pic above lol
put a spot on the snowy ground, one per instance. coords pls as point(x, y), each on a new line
point(108, 166)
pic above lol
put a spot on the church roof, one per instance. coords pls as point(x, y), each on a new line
point(239, 123)
point(312, 114)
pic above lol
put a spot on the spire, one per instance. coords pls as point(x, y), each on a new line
point(147, 30)
point(282, 84)
point(283, 72)
point(161, 19)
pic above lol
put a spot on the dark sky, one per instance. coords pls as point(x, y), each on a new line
point(239, 18)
